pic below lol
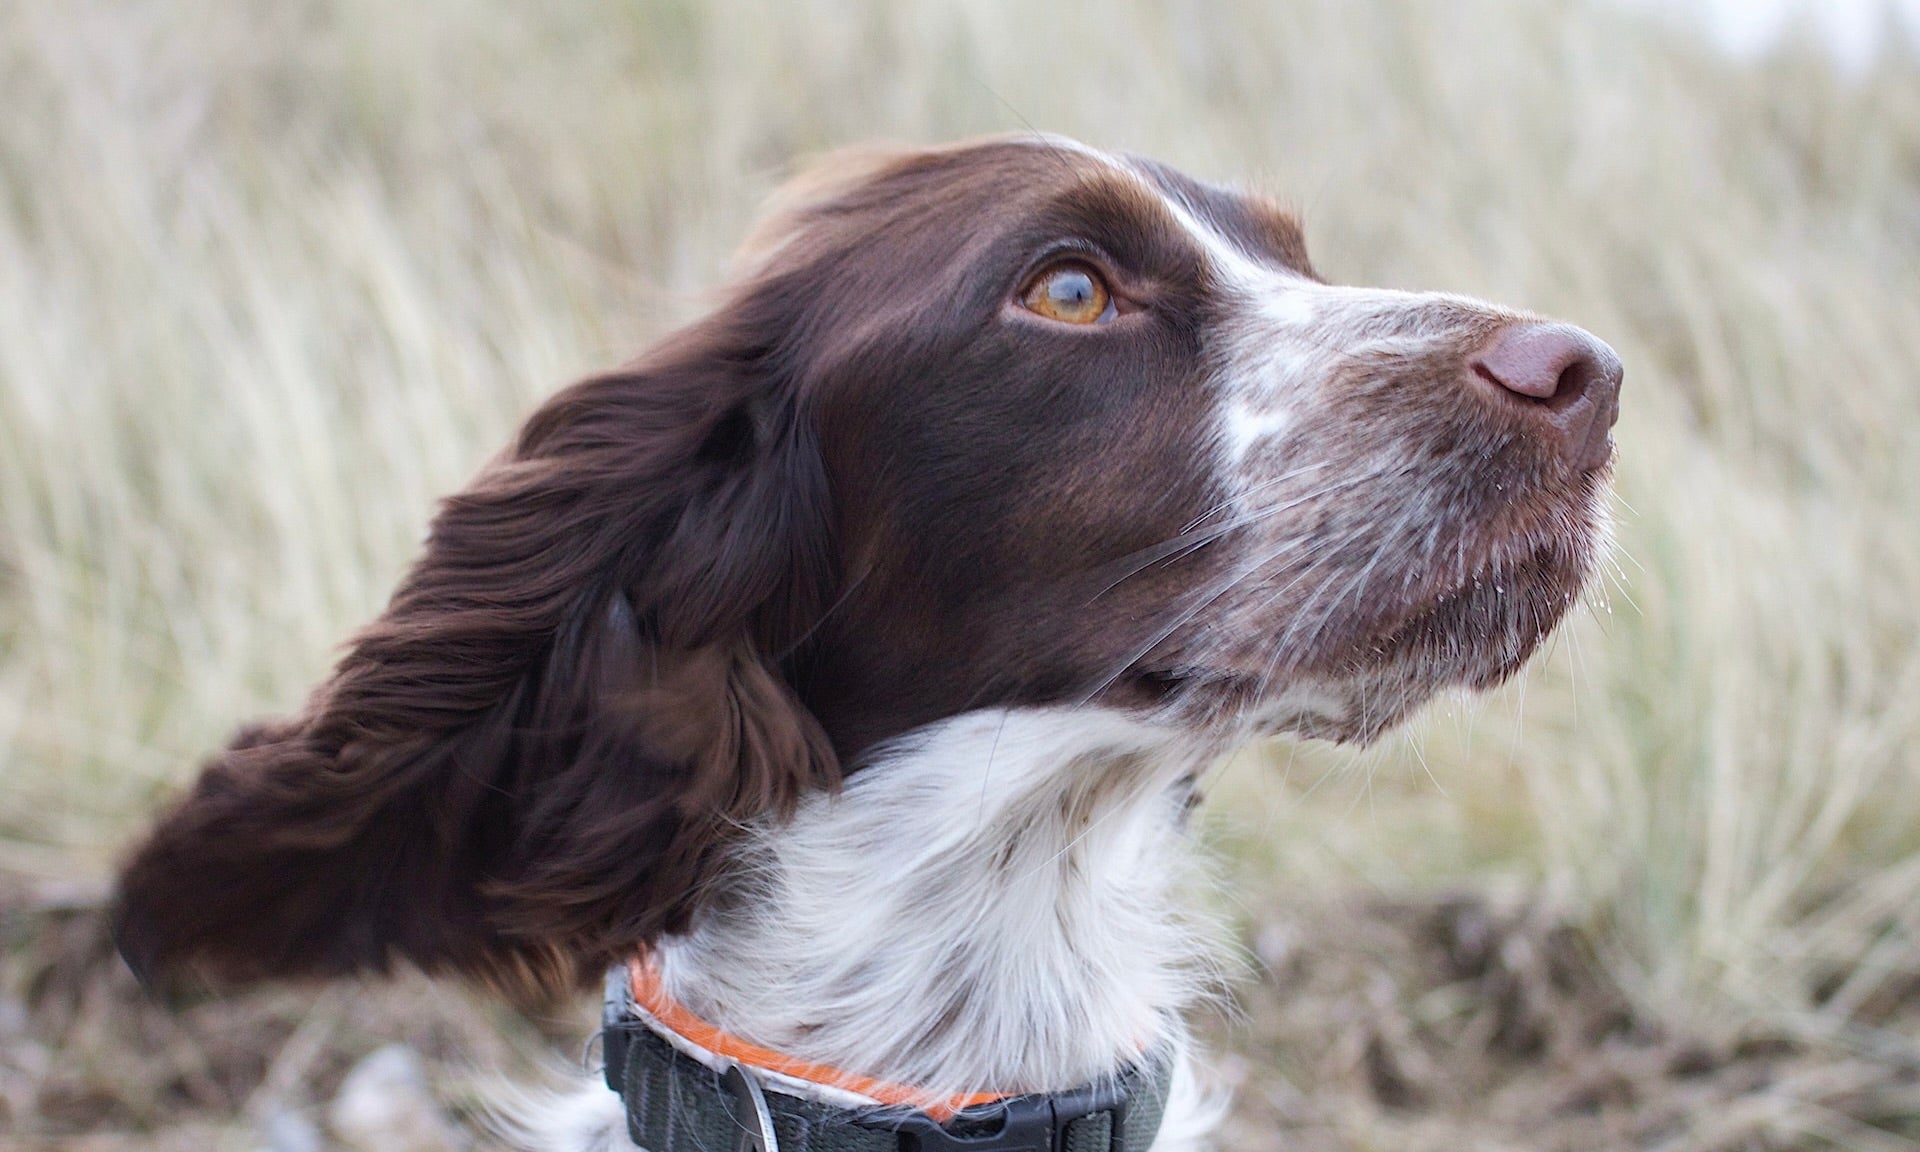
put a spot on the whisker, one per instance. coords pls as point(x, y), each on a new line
point(1232, 582)
point(1222, 587)
point(1264, 683)
point(838, 603)
point(1237, 578)
point(1255, 490)
point(1189, 539)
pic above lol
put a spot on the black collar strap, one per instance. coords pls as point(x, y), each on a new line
point(676, 1103)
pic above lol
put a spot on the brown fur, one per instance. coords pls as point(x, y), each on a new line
point(867, 493)
point(532, 753)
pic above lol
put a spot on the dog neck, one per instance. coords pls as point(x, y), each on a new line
point(987, 905)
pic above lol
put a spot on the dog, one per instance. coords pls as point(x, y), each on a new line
point(847, 664)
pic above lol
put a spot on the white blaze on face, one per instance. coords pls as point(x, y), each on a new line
point(1248, 424)
point(1285, 335)
point(1273, 357)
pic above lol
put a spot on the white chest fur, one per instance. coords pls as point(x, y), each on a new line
point(990, 905)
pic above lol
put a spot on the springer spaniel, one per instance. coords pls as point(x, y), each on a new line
point(853, 655)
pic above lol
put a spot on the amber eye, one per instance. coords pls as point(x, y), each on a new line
point(1071, 294)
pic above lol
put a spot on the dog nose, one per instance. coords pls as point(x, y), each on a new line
point(1567, 375)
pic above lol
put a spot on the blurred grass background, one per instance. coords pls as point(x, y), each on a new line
point(273, 276)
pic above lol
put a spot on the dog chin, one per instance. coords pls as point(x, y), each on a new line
point(1476, 637)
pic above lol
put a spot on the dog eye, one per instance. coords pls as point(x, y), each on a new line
point(1071, 294)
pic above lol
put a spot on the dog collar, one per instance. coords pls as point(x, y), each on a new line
point(689, 1087)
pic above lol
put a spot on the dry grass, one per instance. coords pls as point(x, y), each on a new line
point(274, 275)
point(95, 1064)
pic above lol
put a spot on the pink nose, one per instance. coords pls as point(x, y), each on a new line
point(1567, 376)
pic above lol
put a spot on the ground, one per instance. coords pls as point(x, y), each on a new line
point(1441, 1023)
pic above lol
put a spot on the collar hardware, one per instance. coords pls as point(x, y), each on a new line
point(750, 1112)
point(676, 1102)
point(1038, 1123)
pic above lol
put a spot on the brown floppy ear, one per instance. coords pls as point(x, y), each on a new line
point(531, 761)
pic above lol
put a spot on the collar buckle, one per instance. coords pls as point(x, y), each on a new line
point(1037, 1123)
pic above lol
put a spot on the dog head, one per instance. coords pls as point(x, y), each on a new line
point(1012, 423)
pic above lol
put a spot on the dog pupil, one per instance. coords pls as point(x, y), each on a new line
point(1071, 288)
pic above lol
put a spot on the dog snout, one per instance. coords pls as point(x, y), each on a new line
point(1565, 377)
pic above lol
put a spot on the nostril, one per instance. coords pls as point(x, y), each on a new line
point(1553, 363)
point(1572, 382)
point(1564, 375)
point(1522, 379)
point(1562, 389)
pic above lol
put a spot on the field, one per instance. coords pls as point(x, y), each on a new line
point(274, 275)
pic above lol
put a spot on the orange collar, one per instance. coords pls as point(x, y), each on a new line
point(643, 981)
